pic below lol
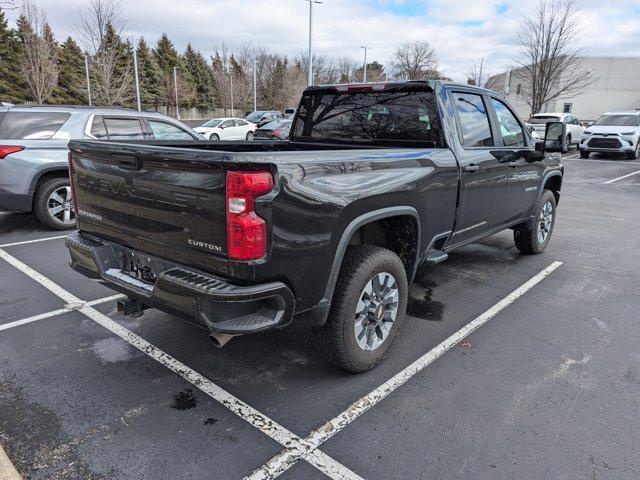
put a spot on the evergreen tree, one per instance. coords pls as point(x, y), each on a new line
point(111, 70)
point(71, 88)
point(167, 58)
point(149, 75)
point(202, 75)
point(12, 87)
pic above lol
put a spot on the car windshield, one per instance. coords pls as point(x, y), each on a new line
point(391, 116)
point(212, 123)
point(542, 120)
point(619, 120)
point(31, 125)
point(252, 117)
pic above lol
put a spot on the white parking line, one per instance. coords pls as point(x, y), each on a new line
point(7, 469)
point(25, 242)
point(624, 176)
point(570, 156)
point(269, 427)
point(68, 308)
point(288, 457)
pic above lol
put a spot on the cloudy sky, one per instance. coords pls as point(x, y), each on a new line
point(462, 31)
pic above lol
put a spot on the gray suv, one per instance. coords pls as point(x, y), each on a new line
point(33, 152)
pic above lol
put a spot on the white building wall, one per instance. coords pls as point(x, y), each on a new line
point(615, 85)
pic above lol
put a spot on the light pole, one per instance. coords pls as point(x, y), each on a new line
point(310, 72)
point(135, 72)
point(175, 87)
point(231, 79)
point(86, 71)
point(255, 86)
point(364, 75)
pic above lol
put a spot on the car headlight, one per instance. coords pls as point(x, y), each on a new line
point(628, 133)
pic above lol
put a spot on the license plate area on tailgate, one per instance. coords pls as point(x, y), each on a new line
point(137, 269)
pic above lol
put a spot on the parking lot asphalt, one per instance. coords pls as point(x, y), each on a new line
point(548, 387)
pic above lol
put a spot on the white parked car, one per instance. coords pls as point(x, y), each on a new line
point(539, 121)
point(227, 129)
point(613, 132)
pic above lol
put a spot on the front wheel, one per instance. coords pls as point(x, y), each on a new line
point(566, 149)
point(249, 135)
point(536, 240)
point(367, 310)
point(636, 153)
point(214, 136)
point(53, 204)
point(584, 154)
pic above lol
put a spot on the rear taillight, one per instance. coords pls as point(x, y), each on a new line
point(277, 132)
point(73, 190)
point(246, 231)
point(9, 149)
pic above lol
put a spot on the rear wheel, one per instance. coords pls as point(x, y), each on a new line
point(535, 240)
point(214, 136)
point(53, 204)
point(367, 310)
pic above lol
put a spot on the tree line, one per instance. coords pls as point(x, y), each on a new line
point(35, 67)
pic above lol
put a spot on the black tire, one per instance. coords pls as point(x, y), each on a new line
point(42, 200)
point(584, 154)
point(336, 340)
point(249, 136)
point(214, 137)
point(636, 153)
point(528, 241)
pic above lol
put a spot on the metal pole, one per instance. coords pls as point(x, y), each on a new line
point(231, 77)
point(86, 71)
point(255, 87)
point(175, 87)
point(364, 75)
point(135, 72)
point(310, 72)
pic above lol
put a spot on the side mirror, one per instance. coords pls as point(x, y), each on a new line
point(589, 124)
point(555, 137)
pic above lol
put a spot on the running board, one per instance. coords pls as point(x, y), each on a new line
point(436, 256)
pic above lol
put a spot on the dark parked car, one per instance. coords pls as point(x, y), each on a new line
point(278, 130)
point(328, 227)
point(262, 117)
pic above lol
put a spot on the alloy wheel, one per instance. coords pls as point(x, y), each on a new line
point(545, 222)
point(376, 311)
point(60, 206)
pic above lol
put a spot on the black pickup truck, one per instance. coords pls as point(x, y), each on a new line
point(330, 227)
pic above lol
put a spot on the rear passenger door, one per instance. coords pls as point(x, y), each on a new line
point(115, 127)
point(484, 177)
point(514, 149)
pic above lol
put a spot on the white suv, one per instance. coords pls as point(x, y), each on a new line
point(613, 132)
point(538, 122)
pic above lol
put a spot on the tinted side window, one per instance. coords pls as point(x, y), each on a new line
point(31, 125)
point(98, 129)
point(474, 121)
point(228, 123)
point(123, 128)
point(510, 130)
point(166, 131)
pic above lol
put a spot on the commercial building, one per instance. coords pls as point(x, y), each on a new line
point(614, 84)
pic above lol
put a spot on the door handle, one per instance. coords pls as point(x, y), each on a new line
point(472, 168)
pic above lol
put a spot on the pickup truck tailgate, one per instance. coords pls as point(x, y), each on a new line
point(164, 201)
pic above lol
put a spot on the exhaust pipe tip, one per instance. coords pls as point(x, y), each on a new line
point(219, 340)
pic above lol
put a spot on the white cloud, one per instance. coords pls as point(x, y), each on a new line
point(610, 28)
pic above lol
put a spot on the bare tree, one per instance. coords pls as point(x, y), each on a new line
point(478, 74)
point(550, 64)
point(415, 60)
point(39, 54)
point(100, 27)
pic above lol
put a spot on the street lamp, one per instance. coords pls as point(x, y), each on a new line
point(255, 86)
point(86, 71)
point(310, 73)
point(135, 73)
point(364, 75)
point(175, 87)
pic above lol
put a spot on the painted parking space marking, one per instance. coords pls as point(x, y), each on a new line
point(26, 242)
point(289, 457)
point(303, 449)
point(622, 162)
point(69, 307)
point(622, 177)
point(7, 469)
